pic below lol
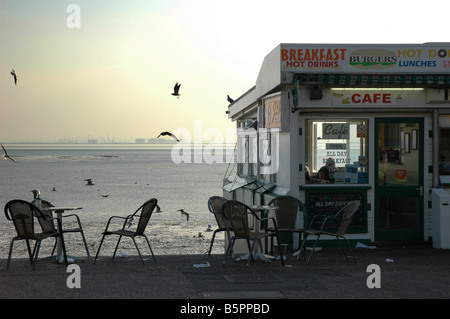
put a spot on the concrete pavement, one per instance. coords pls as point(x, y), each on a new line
point(416, 271)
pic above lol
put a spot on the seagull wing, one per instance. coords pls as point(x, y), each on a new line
point(174, 137)
point(4, 151)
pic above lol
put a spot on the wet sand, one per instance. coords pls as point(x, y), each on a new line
point(166, 238)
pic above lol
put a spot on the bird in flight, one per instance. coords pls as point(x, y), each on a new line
point(184, 213)
point(14, 74)
point(169, 134)
point(176, 88)
point(229, 99)
point(6, 156)
point(89, 182)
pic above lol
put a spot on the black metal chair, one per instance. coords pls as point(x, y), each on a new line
point(23, 215)
point(47, 224)
point(215, 204)
point(344, 216)
point(143, 213)
point(237, 214)
point(286, 215)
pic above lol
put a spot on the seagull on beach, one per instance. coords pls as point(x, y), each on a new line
point(184, 213)
point(6, 156)
point(14, 74)
point(169, 134)
point(176, 88)
point(229, 99)
point(89, 182)
point(36, 193)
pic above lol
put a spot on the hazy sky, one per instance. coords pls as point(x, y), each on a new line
point(113, 77)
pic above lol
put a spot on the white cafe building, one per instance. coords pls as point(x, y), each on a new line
point(380, 113)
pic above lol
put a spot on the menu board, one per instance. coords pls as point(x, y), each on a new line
point(330, 203)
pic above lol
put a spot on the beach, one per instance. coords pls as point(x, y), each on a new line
point(125, 176)
point(166, 238)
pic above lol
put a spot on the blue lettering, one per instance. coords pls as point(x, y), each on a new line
point(417, 64)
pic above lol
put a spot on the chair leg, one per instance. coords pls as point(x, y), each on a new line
point(117, 246)
point(212, 241)
point(36, 252)
point(85, 244)
point(313, 249)
point(342, 248)
point(351, 251)
point(280, 250)
point(100, 246)
point(148, 242)
point(10, 252)
point(229, 248)
point(303, 247)
point(30, 254)
point(251, 248)
point(137, 248)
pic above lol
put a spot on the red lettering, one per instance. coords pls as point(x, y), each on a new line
point(374, 98)
point(356, 98)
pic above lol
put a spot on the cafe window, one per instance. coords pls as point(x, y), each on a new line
point(247, 148)
point(336, 151)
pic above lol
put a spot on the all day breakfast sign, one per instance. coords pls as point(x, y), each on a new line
point(423, 58)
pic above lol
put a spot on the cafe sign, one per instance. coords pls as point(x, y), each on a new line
point(369, 98)
point(334, 131)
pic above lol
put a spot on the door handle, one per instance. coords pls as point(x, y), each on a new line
point(420, 189)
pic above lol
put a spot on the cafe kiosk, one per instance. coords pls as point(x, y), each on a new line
point(378, 114)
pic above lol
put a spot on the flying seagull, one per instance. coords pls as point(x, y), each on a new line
point(229, 99)
point(176, 88)
point(169, 134)
point(13, 73)
point(89, 182)
point(184, 213)
point(6, 156)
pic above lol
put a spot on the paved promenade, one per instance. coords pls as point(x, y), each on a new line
point(404, 272)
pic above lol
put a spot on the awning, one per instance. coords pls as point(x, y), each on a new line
point(237, 182)
point(352, 79)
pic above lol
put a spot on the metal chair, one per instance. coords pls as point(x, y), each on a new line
point(345, 215)
point(47, 224)
point(286, 215)
point(145, 212)
point(23, 213)
point(237, 214)
point(215, 204)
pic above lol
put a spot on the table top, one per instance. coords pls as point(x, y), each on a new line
point(263, 207)
point(62, 208)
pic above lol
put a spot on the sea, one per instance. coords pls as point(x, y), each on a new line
point(124, 177)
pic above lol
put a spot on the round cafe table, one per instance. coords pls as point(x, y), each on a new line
point(257, 253)
point(59, 212)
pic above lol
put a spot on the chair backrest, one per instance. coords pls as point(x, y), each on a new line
point(215, 204)
point(22, 214)
point(237, 213)
point(146, 211)
point(347, 216)
point(286, 214)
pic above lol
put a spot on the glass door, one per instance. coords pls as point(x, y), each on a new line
point(399, 179)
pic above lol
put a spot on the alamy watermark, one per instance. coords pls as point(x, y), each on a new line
point(73, 21)
point(207, 146)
